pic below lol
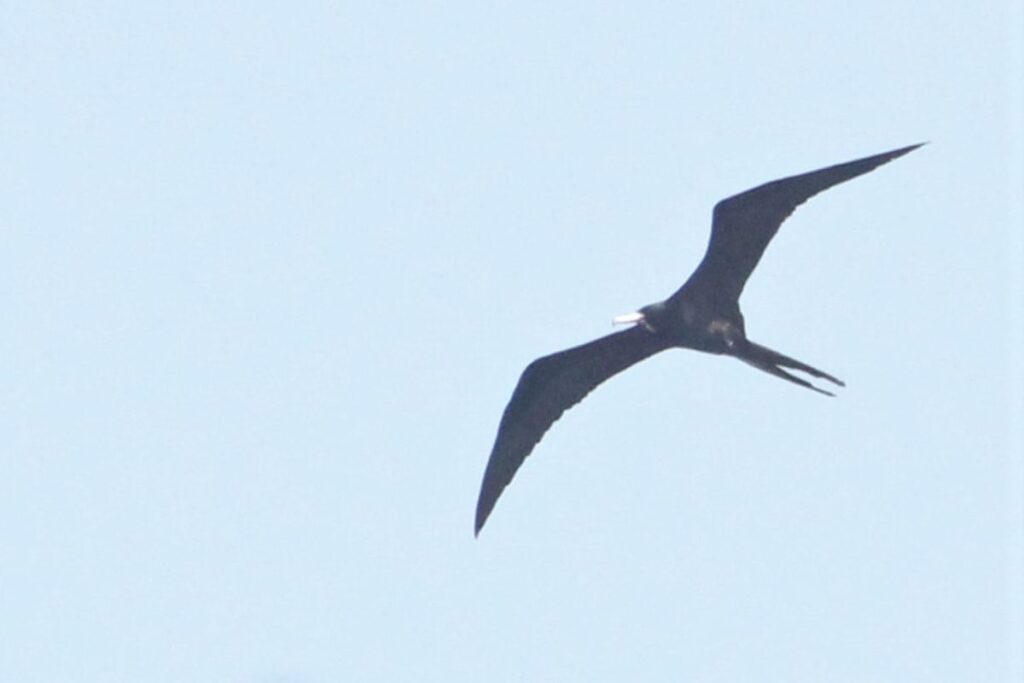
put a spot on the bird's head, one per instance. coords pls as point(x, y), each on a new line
point(649, 316)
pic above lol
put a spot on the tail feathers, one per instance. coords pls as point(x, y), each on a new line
point(772, 362)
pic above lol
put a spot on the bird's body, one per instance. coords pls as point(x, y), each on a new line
point(703, 315)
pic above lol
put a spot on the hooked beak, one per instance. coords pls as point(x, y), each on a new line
point(628, 319)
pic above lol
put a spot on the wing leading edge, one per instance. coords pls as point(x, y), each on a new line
point(744, 224)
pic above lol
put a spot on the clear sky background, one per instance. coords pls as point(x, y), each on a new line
point(269, 273)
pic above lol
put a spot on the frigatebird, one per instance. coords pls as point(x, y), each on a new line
point(703, 314)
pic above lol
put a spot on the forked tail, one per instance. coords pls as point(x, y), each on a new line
point(772, 362)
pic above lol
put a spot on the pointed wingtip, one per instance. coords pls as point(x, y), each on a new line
point(870, 163)
point(482, 513)
point(908, 149)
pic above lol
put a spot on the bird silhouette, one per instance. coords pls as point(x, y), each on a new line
point(703, 314)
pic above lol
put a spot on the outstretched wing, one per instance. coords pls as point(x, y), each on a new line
point(743, 224)
point(547, 388)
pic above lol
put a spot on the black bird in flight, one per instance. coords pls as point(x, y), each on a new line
point(704, 314)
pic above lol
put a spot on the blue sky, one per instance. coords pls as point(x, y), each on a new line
point(269, 275)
